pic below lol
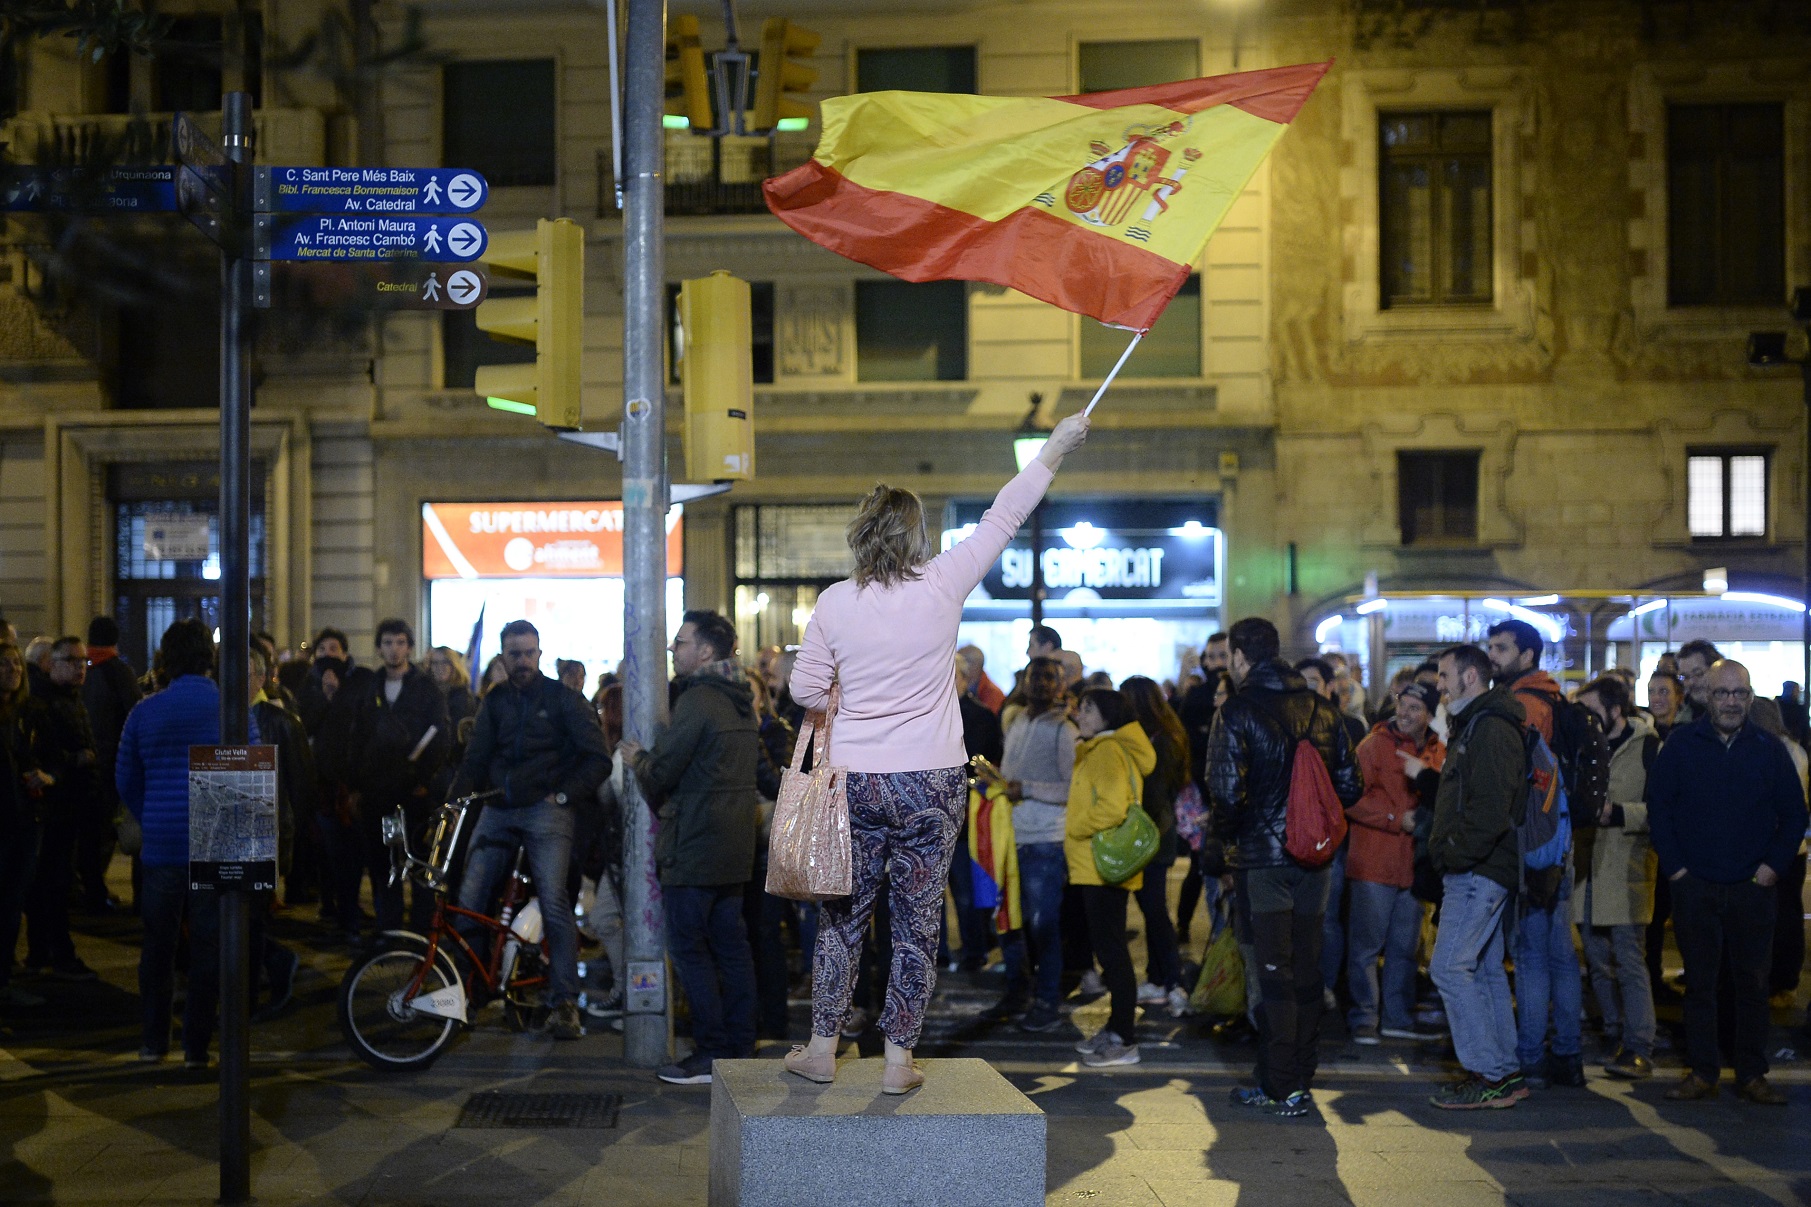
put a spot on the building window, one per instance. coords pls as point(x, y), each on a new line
point(498, 119)
point(1437, 496)
point(186, 73)
point(907, 331)
point(1726, 493)
point(1434, 208)
point(463, 347)
point(1172, 349)
point(1725, 205)
point(1107, 66)
point(915, 69)
point(760, 325)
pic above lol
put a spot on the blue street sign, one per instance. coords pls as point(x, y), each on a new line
point(367, 191)
point(347, 237)
point(147, 190)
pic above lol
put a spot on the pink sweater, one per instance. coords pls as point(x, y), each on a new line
point(894, 649)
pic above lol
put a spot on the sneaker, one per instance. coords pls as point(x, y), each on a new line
point(1535, 1077)
point(195, 1064)
point(1413, 1034)
point(565, 1023)
point(1092, 985)
point(151, 1056)
point(1292, 1107)
point(1516, 1086)
point(856, 1022)
point(1630, 1066)
point(1568, 1071)
point(1175, 1002)
point(1041, 1017)
point(693, 1070)
point(71, 969)
point(1094, 1043)
point(1366, 1035)
point(1118, 1052)
point(12, 995)
point(1152, 995)
point(1475, 1094)
point(1010, 1006)
point(1431, 1016)
point(1252, 1096)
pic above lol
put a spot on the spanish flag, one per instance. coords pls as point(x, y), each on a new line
point(1099, 204)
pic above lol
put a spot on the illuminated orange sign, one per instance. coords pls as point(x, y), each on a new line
point(532, 540)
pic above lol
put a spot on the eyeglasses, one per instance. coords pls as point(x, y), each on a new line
point(1732, 693)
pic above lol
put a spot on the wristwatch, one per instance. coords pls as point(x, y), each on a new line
point(559, 798)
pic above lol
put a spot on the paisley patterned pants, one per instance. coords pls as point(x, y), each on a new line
point(903, 827)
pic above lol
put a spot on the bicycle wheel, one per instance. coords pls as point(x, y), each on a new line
point(522, 1008)
point(380, 1025)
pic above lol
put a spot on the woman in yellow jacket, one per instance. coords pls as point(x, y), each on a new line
point(1110, 765)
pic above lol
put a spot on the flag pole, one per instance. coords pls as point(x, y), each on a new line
point(1136, 336)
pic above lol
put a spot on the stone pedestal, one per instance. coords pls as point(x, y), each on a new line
point(966, 1137)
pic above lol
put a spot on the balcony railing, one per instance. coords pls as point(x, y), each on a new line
point(712, 175)
point(295, 136)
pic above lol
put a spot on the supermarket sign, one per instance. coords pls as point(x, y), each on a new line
point(532, 540)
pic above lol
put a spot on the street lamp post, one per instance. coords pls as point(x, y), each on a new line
point(1026, 446)
point(1767, 349)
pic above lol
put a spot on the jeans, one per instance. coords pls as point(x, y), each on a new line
point(709, 946)
point(1386, 921)
point(1286, 907)
point(1616, 957)
point(544, 830)
point(762, 914)
point(1333, 927)
point(1104, 905)
point(163, 896)
point(18, 864)
point(974, 927)
point(1043, 871)
point(1713, 922)
point(1163, 959)
point(1547, 981)
point(1467, 968)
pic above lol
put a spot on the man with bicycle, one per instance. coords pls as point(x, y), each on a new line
point(538, 743)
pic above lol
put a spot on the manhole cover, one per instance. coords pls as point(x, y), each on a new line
point(491, 1108)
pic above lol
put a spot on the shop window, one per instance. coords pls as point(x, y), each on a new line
point(1437, 496)
point(785, 556)
point(463, 347)
point(760, 324)
point(1106, 66)
point(1726, 493)
point(1434, 207)
point(187, 72)
point(497, 118)
point(906, 331)
point(915, 69)
point(1725, 205)
point(1172, 349)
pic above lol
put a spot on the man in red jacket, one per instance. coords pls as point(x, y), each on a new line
point(1400, 761)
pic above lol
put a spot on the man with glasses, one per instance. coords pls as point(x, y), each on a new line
point(1726, 814)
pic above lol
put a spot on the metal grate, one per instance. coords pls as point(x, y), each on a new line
point(491, 1108)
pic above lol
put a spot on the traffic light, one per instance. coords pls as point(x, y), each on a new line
point(552, 256)
point(717, 371)
point(778, 79)
point(688, 86)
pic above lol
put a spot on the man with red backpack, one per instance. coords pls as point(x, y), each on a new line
point(1279, 773)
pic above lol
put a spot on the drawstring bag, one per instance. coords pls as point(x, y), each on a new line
point(809, 854)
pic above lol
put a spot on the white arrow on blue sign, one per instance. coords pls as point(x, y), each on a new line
point(350, 237)
point(395, 191)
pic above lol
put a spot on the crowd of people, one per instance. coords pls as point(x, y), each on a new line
point(1445, 911)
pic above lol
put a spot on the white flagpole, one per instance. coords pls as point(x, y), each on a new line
point(1123, 356)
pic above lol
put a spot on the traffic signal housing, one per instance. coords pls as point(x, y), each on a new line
point(779, 79)
point(552, 256)
point(716, 370)
point(688, 94)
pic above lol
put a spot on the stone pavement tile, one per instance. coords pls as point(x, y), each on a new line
point(1195, 1192)
point(1419, 1192)
point(659, 1191)
point(1100, 1190)
point(1170, 1137)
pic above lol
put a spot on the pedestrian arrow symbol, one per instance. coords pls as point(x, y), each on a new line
point(464, 286)
point(465, 191)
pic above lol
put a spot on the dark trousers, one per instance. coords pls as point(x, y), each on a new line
point(164, 898)
point(762, 916)
point(973, 926)
point(1789, 930)
point(374, 860)
point(1189, 896)
point(1711, 922)
point(1656, 933)
point(1163, 959)
point(47, 939)
point(18, 863)
point(95, 842)
point(709, 947)
point(1104, 908)
point(1286, 907)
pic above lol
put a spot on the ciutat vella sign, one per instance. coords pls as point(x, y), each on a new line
point(1139, 558)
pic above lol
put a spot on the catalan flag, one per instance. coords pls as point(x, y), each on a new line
point(1099, 204)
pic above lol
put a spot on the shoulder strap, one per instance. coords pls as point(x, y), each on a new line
point(815, 734)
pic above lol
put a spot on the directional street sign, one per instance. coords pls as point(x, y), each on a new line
point(146, 190)
point(374, 285)
point(343, 237)
point(306, 190)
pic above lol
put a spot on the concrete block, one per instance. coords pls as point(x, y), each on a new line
point(966, 1137)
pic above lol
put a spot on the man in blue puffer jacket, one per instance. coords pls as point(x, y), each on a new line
point(153, 778)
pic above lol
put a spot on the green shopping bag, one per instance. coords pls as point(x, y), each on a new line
point(1220, 990)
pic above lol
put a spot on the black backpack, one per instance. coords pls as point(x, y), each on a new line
point(1583, 754)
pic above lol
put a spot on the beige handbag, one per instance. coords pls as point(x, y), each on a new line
point(808, 853)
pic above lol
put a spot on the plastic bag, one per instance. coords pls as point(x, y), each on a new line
point(1220, 990)
point(809, 853)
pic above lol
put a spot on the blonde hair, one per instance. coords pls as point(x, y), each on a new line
point(461, 676)
point(888, 537)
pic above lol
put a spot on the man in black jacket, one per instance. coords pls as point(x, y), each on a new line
point(400, 737)
point(700, 775)
point(328, 705)
point(538, 743)
point(109, 692)
point(1250, 752)
point(66, 744)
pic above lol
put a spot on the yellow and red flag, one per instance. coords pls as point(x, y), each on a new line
point(1099, 204)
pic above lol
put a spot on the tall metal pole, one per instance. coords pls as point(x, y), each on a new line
point(1037, 564)
point(235, 639)
point(647, 1039)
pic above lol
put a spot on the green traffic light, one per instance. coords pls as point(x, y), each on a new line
point(511, 405)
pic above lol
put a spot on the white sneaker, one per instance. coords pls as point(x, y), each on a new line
point(1099, 1041)
point(1092, 985)
point(1176, 1002)
point(1151, 995)
point(1115, 1053)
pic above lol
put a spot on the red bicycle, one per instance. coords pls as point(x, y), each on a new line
point(402, 1004)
